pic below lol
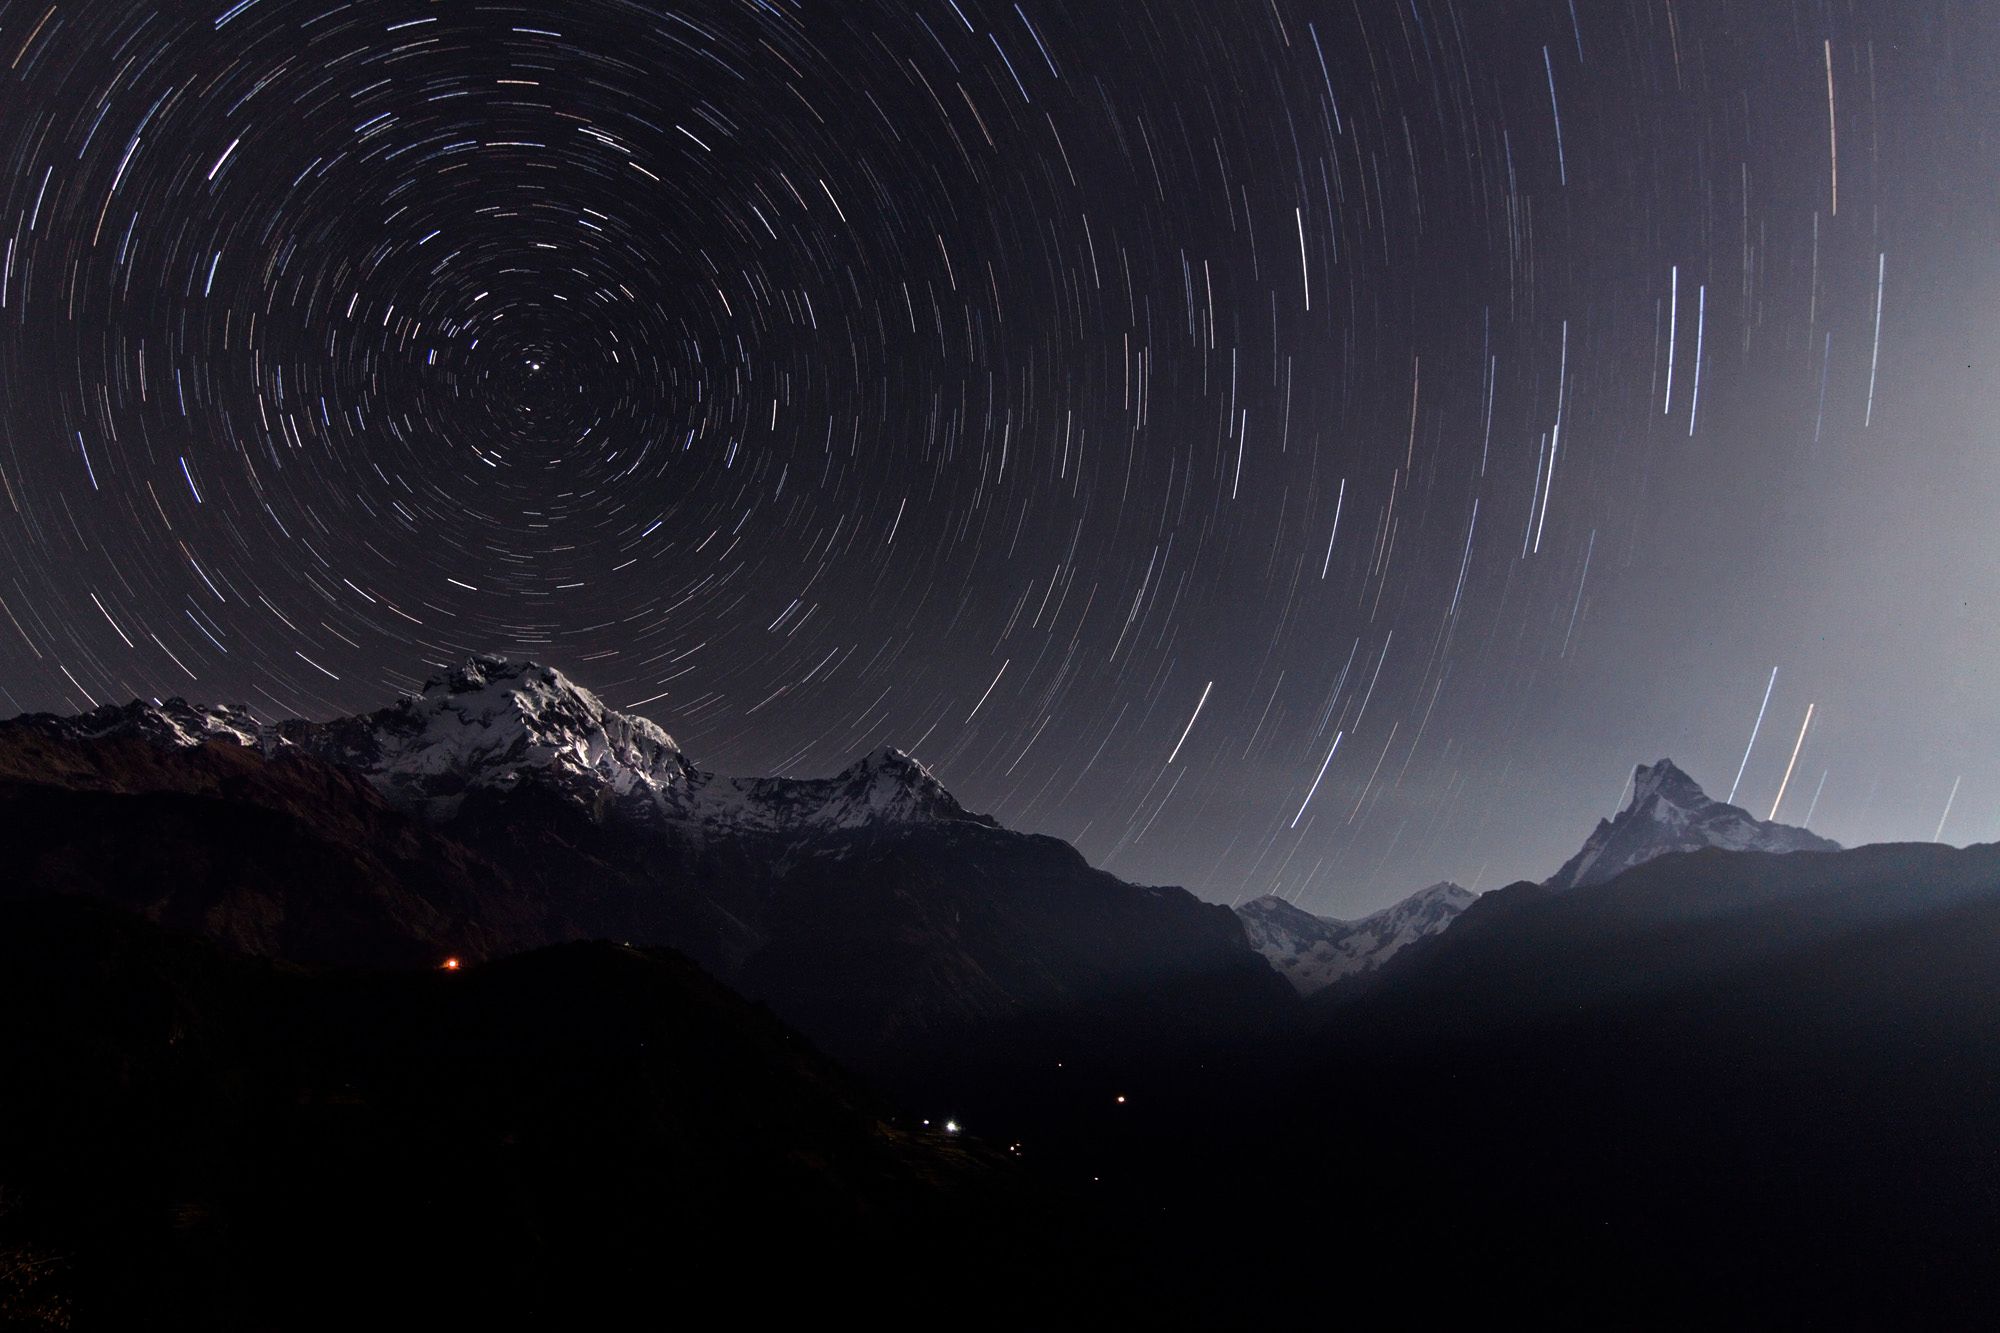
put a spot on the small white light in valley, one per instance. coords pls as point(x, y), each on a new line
point(951, 1127)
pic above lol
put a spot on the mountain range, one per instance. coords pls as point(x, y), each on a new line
point(505, 808)
point(1714, 1070)
point(492, 727)
point(1667, 813)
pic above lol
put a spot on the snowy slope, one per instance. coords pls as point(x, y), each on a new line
point(1668, 812)
point(1313, 952)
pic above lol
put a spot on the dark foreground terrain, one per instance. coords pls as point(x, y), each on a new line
point(1728, 1090)
point(195, 1139)
point(1723, 1089)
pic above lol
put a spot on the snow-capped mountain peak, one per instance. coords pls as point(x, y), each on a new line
point(1313, 952)
point(1669, 812)
point(491, 723)
point(498, 725)
point(563, 722)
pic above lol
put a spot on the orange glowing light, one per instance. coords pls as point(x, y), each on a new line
point(451, 964)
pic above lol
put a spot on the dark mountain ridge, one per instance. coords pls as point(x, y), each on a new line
point(1531, 951)
point(1743, 1088)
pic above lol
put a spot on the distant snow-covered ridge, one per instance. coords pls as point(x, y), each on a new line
point(495, 725)
point(1313, 952)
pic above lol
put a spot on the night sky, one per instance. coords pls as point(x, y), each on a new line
point(1280, 446)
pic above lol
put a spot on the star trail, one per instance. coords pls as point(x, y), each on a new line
point(1292, 447)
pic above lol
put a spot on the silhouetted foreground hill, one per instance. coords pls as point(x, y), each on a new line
point(219, 1142)
point(1735, 1088)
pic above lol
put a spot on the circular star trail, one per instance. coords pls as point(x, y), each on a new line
point(1293, 447)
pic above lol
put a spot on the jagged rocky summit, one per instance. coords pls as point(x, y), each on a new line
point(1312, 952)
point(1669, 812)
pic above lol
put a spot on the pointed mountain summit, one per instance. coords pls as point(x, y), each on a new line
point(1313, 952)
point(1669, 812)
